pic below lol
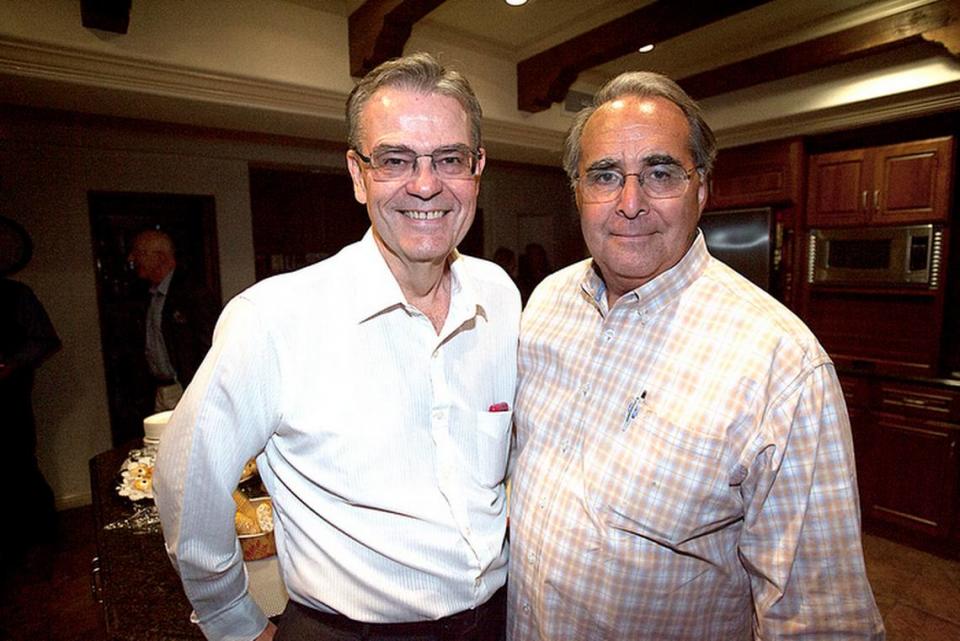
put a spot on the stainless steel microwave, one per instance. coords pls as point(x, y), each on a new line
point(907, 255)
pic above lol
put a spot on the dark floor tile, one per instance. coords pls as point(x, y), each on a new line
point(935, 590)
point(48, 595)
point(45, 594)
point(906, 623)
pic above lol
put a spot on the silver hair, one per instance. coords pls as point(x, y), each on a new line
point(644, 84)
point(419, 72)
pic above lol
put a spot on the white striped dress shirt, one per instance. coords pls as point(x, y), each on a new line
point(385, 465)
point(685, 468)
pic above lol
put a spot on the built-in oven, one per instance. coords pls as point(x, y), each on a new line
point(906, 255)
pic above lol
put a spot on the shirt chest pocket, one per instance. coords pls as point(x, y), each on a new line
point(661, 481)
point(493, 446)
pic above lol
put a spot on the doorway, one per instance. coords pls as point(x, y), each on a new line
point(115, 218)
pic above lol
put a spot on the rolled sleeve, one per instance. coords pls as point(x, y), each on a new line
point(225, 418)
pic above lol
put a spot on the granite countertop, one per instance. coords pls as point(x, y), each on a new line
point(142, 596)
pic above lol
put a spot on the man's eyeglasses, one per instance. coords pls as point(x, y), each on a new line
point(401, 164)
point(657, 181)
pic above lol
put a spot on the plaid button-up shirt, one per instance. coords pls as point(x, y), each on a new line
point(685, 467)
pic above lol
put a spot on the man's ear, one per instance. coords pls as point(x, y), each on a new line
point(481, 161)
point(356, 174)
point(702, 192)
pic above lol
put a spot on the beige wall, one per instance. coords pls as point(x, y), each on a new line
point(46, 172)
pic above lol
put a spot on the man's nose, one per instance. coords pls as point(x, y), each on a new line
point(425, 183)
point(632, 200)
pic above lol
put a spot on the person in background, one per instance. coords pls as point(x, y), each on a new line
point(534, 267)
point(379, 385)
point(178, 319)
point(685, 466)
point(507, 259)
point(27, 339)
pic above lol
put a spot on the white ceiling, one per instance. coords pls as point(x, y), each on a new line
point(516, 33)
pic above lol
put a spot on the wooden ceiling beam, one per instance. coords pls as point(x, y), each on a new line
point(379, 29)
point(949, 34)
point(546, 77)
point(938, 21)
point(106, 15)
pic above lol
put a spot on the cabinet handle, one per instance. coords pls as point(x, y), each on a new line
point(876, 199)
point(864, 199)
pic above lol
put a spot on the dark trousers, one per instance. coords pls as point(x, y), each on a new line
point(485, 623)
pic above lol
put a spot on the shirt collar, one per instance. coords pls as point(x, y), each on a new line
point(659, 291)
point(164, 285)
point(378, 290)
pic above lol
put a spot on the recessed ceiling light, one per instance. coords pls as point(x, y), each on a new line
point(646, 48)
point(516, 3)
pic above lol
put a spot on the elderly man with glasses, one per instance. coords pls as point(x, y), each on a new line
point(378, 385)
point(685, 467)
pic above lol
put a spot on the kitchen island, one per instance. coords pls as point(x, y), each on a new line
point(133, 579)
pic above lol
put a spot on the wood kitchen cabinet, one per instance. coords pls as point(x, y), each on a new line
point(896, 184)
point(915, 473)
point(905, 441)
point(856, 394)
point(763, 174)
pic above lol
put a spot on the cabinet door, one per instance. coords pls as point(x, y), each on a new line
point(917, 473)
point(912, 182)
point(761, 174)
point(839, 187)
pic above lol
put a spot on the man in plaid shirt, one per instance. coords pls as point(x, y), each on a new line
point(685, 466)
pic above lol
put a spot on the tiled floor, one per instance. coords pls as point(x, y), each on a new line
point(45, 594)
point(48, 598)
point(918, 594)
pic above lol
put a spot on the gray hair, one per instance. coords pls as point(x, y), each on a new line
point(418, 72)
point(644, 84)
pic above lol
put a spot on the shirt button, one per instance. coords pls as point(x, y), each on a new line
point(526, 608)
point(476, 583)
point(565, 446)
point(543, 503)
point(585, 389)
point(608, 335)
point(531, 557)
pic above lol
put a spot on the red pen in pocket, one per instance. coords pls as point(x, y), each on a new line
point(499, 407)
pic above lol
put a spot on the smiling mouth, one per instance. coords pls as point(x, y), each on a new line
point(633, 234)
point(414, 214)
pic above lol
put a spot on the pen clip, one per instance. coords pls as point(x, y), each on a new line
point(634, 408)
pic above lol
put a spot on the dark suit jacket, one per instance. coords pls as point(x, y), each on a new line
point(190, 311)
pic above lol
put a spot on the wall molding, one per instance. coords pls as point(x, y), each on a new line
point(70, 501)
point(76, 66)
point(923, 102)
point(33, 61)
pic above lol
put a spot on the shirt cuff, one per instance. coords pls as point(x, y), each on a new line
point(243, 621)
